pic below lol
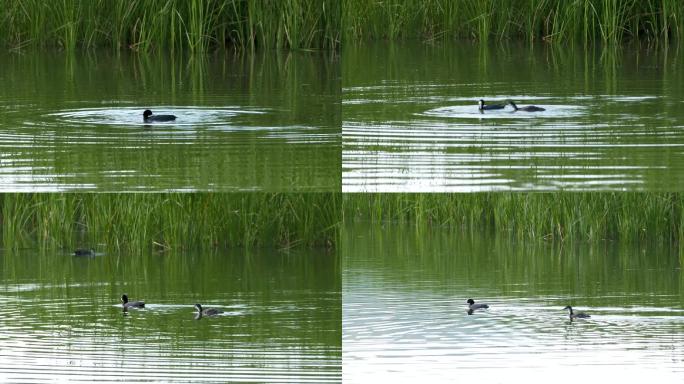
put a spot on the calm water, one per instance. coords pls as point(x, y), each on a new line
point(62, 320)
point(404, 313)
point(268, 122)
point(614, 120)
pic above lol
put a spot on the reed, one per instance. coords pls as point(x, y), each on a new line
point(195, 25)
point(585, 21)
point(565, 216)
point(169, 221)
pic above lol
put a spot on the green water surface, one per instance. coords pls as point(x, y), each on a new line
point(268, 121)
point(613, 119)
point(405, 315)
point(63, 320)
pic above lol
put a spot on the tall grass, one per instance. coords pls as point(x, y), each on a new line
point(163, 221)
point(566, 216)
point(606, 21)
point(195, 25)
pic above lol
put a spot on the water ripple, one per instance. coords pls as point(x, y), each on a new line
point(132, 116)
point(46, 339)
point(582, 142)
point(388, 328)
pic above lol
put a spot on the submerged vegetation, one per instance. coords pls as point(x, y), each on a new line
point(195, 25)
point(164, 221)
point(564, 216)
point(606, 21)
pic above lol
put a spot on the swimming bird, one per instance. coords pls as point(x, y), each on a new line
point(84, 252)
point(528, 108)
point(148, 117)
point(207, 311)
point(473, 307)
point(483, 107)
point(131, 304)
point(578, 315)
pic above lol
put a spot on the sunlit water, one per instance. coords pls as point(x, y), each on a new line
point(62, 320)
point(405, 319)
point(411, 121)
point(244, 122)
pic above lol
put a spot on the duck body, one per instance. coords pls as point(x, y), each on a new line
point(207, 311)
point(148, 117)
point(578, 315)
point(528, 108)
point(472, 307)
point(484, 107)
point(131, 304)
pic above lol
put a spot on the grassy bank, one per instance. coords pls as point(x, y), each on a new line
point(607, 21)
point(161, 221)
point(195, 25)
point(565, 216)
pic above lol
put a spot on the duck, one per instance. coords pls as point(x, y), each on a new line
point(527, 108)
point(131, 304)
point(84, 252)
point(472, 307)
point(578, 315)
point(483, 107)
point(148, 117)
point(207, 311)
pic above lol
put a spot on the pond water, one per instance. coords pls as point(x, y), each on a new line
point(404, 315)
point(267, 122)
point(63, 320)
point(613, 120)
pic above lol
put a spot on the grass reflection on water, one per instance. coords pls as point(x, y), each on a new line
point(404, 310)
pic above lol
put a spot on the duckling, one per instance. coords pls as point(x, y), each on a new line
point(578, 315)
point(207, 311)
point(472, 307)
point(483, 107)
point(528, 108)
point(131, 304)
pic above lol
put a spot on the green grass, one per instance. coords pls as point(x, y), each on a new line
point(169, 221)
point(194, 25)
point(202, 25)
point(605, 21)
point(547, 216)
